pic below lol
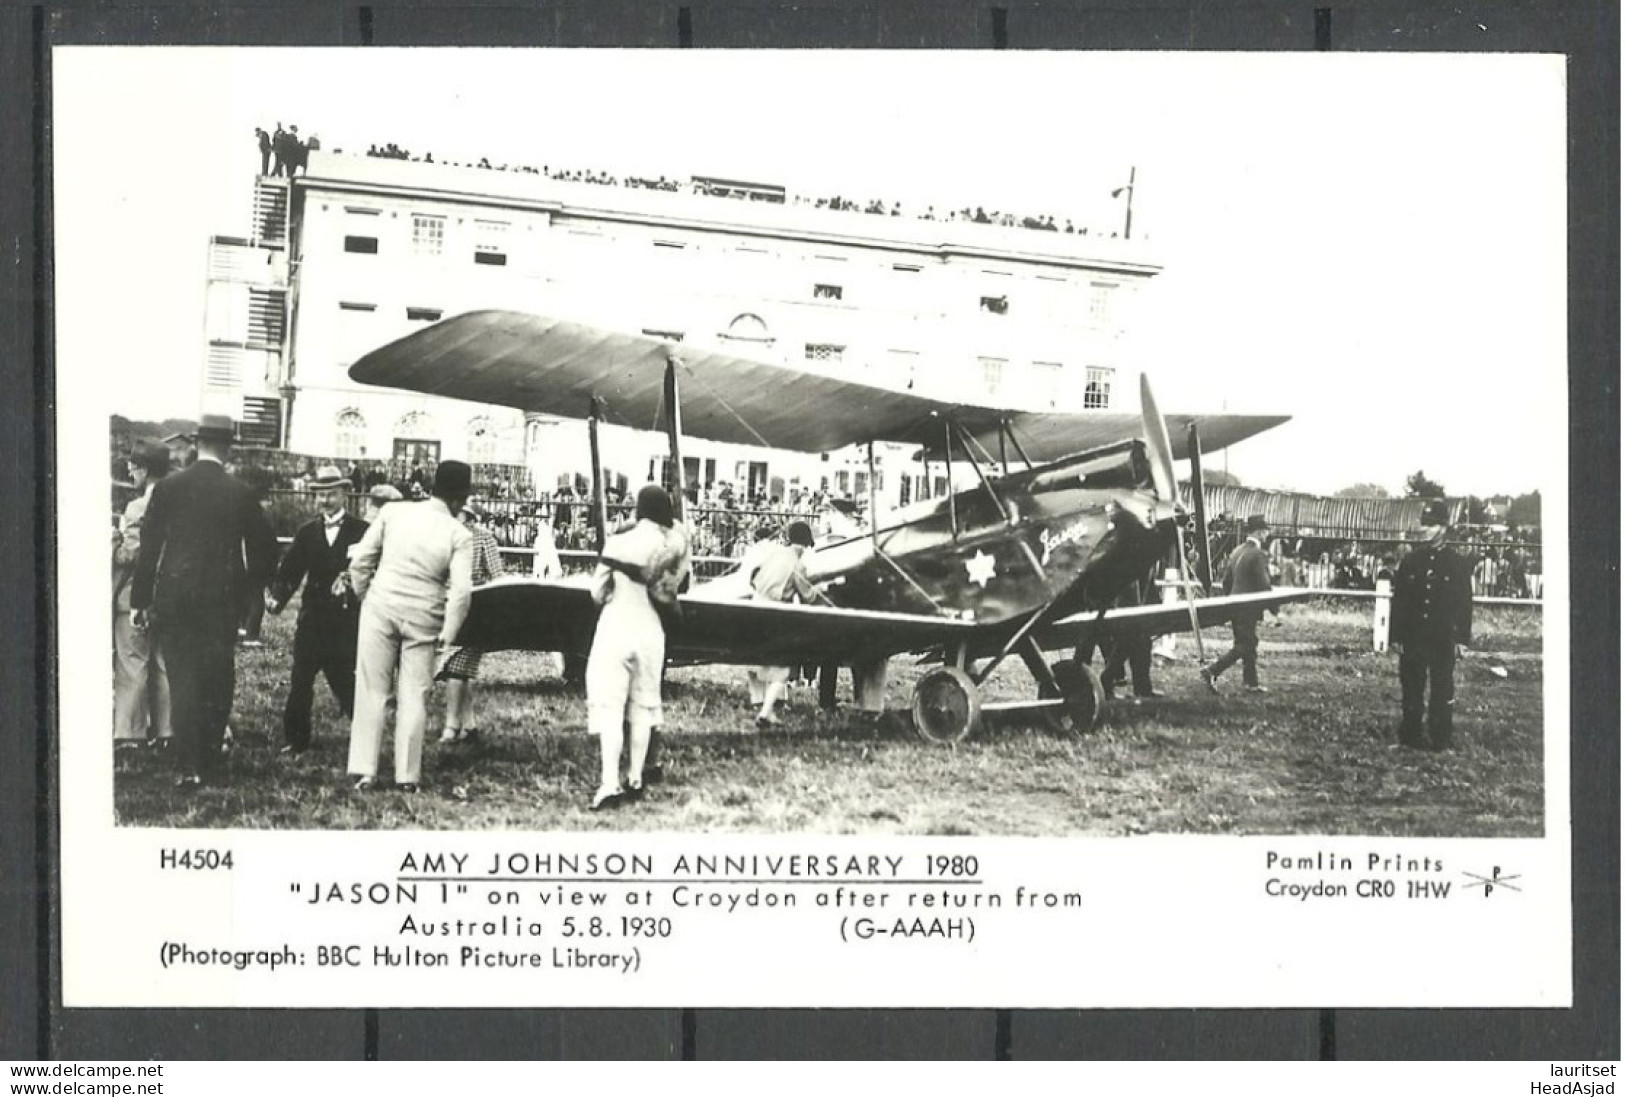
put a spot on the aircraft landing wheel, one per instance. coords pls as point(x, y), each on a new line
point(947, 705)
point(1082, 696)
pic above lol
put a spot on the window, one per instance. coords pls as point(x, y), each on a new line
point(907, 268)
point(998, 306)
point(823, 291)
point(422, 316)
point(749, 327)
point(992, 374)
point(357, 306)
point(490, 243)
point(825, 352)
point(361, 245)
point(1049, 382)
point(415, 424)
point(664, 334)
point(1100, 302)
point(484, 443)
point(1097, 391)
point(349, 435)
point(428, 234)
point(362, 211)
point(414, 441)
point(903, 368)
point(674, 245)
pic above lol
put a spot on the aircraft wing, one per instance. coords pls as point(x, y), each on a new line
point(543, 364)
point(558, 615)
point(1160, 618)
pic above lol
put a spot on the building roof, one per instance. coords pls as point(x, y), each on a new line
point(520, 190)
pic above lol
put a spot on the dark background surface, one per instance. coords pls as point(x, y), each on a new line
point(32, 1023)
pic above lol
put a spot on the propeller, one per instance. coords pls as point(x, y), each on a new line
point(1156, 440)
point(1161, 453)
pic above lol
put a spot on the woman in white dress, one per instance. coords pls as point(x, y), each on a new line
point(636, 583)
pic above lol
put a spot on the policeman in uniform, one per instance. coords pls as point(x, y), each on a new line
point(1432, 622)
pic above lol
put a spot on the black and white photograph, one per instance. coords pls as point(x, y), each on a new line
point(1034, 491)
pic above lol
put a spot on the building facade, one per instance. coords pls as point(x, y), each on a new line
point(362, 251)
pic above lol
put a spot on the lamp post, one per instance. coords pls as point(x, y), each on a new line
point(1128, 213)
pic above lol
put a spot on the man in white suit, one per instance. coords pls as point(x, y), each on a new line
point(413, 572)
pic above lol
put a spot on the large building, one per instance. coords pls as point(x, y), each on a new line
point(361, 250)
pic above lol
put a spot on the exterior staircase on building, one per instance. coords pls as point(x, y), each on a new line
point(270, 211)
point(261, 422)
point(267, 317)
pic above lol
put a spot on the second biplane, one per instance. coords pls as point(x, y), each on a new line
point(1067, 511)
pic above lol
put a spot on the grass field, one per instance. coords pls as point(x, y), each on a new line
point(1314, 756)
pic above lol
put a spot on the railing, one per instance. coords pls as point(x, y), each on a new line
point(1501, 570)
point(719, 532)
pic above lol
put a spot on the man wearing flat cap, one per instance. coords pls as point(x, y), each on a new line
point(1432, 622)
point(325, 639)
point(1246, 572)
point(413, 572)
point(205, 544)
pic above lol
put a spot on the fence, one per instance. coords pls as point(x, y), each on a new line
point(1502, 569)
point(719, 532)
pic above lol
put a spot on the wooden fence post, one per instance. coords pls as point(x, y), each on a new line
point(1379, 623)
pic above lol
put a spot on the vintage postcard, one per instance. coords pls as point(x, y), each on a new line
point(672, 528)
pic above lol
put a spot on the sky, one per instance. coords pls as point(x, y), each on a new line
point(1371, 244)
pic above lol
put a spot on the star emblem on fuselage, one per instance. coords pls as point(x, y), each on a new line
point(980, 568)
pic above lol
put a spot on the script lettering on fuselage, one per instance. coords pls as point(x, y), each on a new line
point(1052, 538)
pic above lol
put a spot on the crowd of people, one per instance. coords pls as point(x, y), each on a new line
point(283, 153)
point(382, 599)
point(290, 154)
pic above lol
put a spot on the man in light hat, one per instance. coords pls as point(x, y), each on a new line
point(325, 639)
point(205, 543)
point(1432, 622)
point(182, 449)
point(1247, 572)
point(413, 572)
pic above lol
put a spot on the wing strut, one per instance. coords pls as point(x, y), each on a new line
point(600, 505)
point(674, 435)
point(1204, 558)
point(1007, 431)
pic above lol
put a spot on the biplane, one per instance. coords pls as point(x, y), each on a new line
point(1067, 509)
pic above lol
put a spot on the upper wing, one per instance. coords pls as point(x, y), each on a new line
point(542, 364)
point(558, 615)
point(1160, 618)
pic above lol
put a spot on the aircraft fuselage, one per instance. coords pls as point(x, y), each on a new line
point(1076, 530)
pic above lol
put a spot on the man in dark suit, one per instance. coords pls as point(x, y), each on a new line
point(205, 543)
point(1247, 572)
point(1432, 622)
point(329, 613)
point(1132, 650)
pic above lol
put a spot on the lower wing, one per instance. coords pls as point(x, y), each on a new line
point(1161, 618)
point(559, 615)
